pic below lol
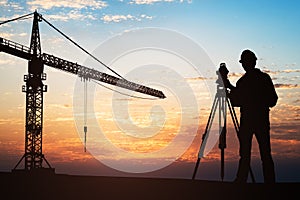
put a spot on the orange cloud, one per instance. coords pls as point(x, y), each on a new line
point(286, 86)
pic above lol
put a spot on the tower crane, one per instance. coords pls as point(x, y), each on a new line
point(35, 88)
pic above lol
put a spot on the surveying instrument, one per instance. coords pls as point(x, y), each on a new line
point(221, 101)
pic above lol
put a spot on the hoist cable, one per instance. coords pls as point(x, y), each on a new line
point(82, 48)
point(85, 112)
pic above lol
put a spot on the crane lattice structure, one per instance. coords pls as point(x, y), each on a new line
point(35, 88)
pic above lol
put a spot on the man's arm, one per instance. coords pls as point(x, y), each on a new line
point(223, 79)
point(233, 92)
point(271, 95)
point(234, 96)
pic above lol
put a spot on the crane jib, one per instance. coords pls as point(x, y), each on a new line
point(22, 51)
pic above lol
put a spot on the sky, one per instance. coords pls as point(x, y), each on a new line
point(175, 46)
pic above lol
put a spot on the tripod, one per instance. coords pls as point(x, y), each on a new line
point(221, 100)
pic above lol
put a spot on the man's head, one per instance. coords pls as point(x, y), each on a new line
point(248, 60)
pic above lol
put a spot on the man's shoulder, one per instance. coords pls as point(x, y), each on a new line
point(261, 74)
point(256, 75)
point(264, 75)
point(263, 78)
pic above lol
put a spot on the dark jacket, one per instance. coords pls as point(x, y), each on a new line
point(254, 94)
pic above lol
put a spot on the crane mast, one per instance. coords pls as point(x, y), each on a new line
point(35, 88)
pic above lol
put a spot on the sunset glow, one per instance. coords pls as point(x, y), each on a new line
point(143, 129)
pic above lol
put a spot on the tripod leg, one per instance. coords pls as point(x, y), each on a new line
point(222, 146)
point(196, 168)
point(208, 125)
point(252, 175)
point(222, 164)
point(222, 137)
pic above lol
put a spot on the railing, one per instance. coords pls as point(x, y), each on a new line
point(14, 45)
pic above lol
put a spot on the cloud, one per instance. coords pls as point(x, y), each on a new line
point(3, 2)
point(77, 4)
point(4, 121)
point(62, 119)
point(11, 6)
point(72, 15)
point(12, 35)
point(291, 70)
point(58, 106)
point(276, 72)
point(286, 86)
point(199, 78)
point(120, 18)
point(281, 71)
point(116, 18)
point(148, 2)
point(6, 62)
point(234, 75)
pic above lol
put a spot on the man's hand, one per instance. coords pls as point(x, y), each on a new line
point(223, 75)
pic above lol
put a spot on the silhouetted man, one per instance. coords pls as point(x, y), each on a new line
point(254, 94)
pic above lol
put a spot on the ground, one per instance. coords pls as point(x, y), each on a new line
point(61, 186)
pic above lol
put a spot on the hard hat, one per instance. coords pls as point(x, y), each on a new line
point(247, 55)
